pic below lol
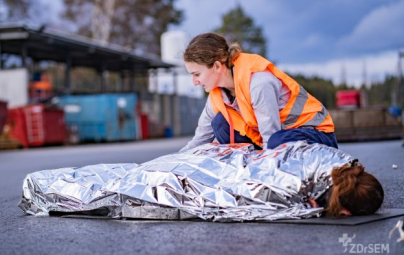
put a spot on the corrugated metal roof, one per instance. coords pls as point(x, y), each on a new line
point(43, 43)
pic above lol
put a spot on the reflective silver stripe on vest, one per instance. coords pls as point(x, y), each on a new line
point(318, 119)
point(297, 108)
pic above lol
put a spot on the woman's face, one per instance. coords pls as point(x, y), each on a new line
point(202, 75)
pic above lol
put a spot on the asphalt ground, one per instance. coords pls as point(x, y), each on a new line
point(22, 234)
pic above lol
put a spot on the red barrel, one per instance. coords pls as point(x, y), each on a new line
point(3, 114)
point(144, 123)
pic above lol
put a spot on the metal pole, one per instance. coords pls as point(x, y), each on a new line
point(132, 79)
point(103, 80)
point(400, 92)
point(24, 56)
point(401, 85)
point(122, 81)
point(1, 57)
point(176, 107)
point(67, 72)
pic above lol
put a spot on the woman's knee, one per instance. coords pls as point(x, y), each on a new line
point(275, 139)
point(221, 128)
point(219, 121)
point(284, 136)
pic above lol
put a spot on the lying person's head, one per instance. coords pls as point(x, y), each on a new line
point(355, 192)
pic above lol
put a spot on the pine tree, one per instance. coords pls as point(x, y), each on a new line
point(237, 26)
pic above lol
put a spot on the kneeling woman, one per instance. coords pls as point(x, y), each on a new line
point(250, 100)
point(213, 182)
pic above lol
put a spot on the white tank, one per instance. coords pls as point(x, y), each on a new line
point(14, 87)
point(173, 44)
point(175, 80)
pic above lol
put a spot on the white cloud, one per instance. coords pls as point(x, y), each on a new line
point(312, 40)
point(379, 32)
point(381, 28)
point(377, 67)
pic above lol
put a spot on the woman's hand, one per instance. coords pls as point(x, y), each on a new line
point(313, 203)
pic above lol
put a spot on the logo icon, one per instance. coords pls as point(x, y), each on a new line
point(346, 240)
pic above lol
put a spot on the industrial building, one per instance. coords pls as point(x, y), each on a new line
point(40, 65)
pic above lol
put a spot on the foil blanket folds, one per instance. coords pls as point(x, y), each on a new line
point(211, 182)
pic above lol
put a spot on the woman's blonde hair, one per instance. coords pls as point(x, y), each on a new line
point(207, 48)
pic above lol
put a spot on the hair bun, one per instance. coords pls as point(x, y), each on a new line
point(348, 171)
point(234, 52)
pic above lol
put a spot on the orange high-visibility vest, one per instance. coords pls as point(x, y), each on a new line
point(302, 109)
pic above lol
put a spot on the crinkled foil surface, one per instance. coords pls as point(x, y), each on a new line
point(211, 182)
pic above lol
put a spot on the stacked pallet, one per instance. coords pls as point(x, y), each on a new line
point(7, 142)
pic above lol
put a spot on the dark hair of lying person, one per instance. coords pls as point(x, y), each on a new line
point(355, 192)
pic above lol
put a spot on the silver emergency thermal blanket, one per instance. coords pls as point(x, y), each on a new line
point(211, 182)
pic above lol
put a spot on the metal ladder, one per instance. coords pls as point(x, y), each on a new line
point(35, 125)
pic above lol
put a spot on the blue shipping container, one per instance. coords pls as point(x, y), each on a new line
point(105, 117)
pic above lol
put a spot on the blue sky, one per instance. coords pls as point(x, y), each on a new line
point(353, 40)
point(317, 37)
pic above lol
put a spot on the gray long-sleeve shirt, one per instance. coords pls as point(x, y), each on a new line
point(268, 97)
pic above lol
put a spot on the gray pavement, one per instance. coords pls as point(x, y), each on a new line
point(22, 234)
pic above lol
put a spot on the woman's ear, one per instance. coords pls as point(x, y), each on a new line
point(217, 66)
point(344, 212)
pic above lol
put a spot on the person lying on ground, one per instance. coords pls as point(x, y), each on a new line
point(218, 182)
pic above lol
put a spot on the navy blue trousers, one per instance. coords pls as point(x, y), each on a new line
point(221, 129)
